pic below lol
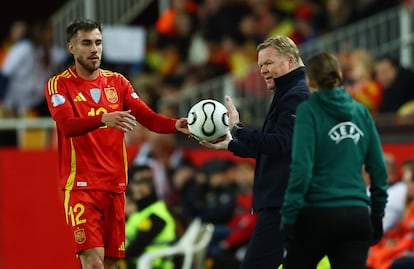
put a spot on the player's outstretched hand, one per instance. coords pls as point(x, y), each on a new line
point(121, 120)
point(181, 126)
point(221, 144)
point(232, 112)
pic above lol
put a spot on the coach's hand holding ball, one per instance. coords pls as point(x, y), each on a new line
point(232, 112)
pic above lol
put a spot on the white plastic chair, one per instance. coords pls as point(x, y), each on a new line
point(200, 247)
point(192, 244)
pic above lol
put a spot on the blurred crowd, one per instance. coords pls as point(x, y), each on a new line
point(194, 41)
point(396, 249)
point(197, 40)
point(219, 191)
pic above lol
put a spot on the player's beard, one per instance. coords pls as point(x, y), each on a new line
point(87, 66)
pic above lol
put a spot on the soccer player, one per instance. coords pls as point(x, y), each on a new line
point(93, 108)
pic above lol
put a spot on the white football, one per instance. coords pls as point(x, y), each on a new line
point(208, 120)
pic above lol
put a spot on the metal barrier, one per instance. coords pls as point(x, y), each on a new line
point(31, 133)
point(106, 11)
point(388, 32)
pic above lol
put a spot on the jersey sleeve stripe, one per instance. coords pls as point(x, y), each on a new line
point(52, 82)
point(71, 179)
point(51, 85)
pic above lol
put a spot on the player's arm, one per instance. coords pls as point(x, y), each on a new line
point(74, 126)
point(156, 122)
point(151, 120)
point(147, 117)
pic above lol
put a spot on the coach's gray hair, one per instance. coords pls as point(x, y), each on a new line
point(282, 44)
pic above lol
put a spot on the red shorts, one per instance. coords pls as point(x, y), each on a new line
point(97, 219)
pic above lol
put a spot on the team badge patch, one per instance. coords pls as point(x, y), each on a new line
point(111, 95)
point(134, 95)
point(80, 236)
point(96, 94)
point(57, 100)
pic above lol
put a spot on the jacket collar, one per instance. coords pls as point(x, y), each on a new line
point(283, 82)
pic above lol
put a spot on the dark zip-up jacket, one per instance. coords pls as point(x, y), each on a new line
point(271, 147)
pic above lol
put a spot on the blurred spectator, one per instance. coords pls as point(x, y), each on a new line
point(366, 8)
point(161, 153)
point(27, 66)
point(397, 192)
point(216, 62)
point(409, 4)
point(363, 87)
point(397, 83)
point(220, 17)
point(338, 13)
point(166, 23)
point(231, 236)
point(220, 196)
point(208, 192)
point(164, 57)
point(152, 226)
point(398, 241)
point(17, 31)
point(269, 20)
point(305, 27)
point(241, 54)
point(191, 184)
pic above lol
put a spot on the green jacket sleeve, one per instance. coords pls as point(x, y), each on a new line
point(375, 166)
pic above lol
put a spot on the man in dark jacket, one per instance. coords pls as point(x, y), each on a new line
point(283, 71)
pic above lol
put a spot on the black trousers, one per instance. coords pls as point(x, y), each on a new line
point(266, 246)
point(341, 233)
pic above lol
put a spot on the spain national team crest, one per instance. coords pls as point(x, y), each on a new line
point(111, 95)
point(80, 236)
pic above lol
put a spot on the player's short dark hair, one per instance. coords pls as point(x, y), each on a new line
point(81, 24)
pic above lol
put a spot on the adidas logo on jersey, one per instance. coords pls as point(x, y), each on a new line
point(122, 246)
point(79, 98)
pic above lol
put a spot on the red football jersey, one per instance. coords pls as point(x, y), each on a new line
point(96, 158)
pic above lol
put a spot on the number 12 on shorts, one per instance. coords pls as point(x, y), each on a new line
point(75, 214)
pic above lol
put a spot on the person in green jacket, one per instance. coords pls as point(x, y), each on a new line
point(152, 226)
point(326, 209)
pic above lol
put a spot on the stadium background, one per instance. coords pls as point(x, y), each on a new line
point(32, 229)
